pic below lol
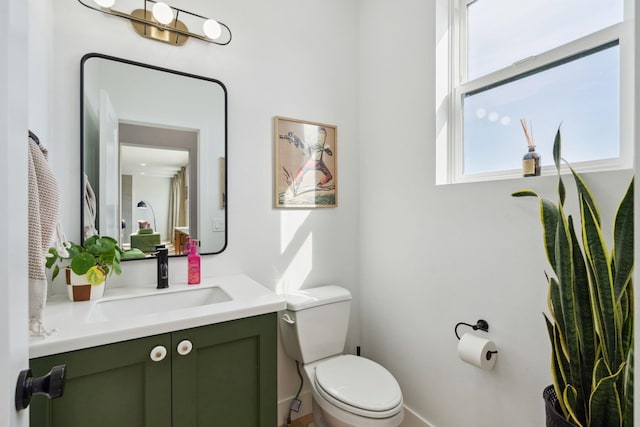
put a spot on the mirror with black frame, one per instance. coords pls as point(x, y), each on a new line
point(153, 147)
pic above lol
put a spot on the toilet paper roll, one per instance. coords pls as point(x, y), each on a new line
point(476, 351)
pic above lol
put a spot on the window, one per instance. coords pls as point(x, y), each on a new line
point(566, 63)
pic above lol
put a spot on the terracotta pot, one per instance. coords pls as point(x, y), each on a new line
point(553, 412)
point(79, 288)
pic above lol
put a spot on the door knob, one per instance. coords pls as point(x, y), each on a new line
point(51, 385)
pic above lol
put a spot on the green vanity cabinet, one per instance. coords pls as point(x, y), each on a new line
point(227, 376)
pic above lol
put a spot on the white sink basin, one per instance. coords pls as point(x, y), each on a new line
point(160, 302)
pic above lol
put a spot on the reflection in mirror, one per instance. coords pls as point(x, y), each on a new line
point(153, 157)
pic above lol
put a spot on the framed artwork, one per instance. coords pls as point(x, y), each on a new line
point(306, 159)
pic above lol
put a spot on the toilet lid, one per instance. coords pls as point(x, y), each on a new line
point(359, 382)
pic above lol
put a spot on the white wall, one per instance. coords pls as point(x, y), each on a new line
point(289, 58)
point(445, 254)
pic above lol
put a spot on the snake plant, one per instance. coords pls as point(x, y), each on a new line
point(590, 305)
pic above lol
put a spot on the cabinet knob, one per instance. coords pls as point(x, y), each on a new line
point(51, 385)
point(184, 347)
point(158, 353)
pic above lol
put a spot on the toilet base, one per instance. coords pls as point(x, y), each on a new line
point(322, 418)
point(319, 419)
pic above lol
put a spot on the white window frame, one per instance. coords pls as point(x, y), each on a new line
point(451, 86)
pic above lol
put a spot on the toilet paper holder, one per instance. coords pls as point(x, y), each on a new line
point(481, 325)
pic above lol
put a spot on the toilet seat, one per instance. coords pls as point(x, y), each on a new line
point(359, 385)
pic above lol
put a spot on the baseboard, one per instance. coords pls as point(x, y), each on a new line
point(412, 419)
point(305, 409)
point(305, 417)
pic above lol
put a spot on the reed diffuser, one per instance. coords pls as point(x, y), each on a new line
point(531, 160)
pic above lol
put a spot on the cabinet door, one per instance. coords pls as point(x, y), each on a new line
point(229, 378)
point(108, 386)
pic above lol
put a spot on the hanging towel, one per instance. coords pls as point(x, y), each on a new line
point(43, 228)
point(90, 209)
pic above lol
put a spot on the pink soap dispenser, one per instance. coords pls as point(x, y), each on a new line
point(193, 262)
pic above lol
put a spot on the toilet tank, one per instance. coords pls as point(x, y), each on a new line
point(315, 323)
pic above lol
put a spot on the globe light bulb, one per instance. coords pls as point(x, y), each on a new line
point(105, 3)
point(211, 29)
point(162, 12)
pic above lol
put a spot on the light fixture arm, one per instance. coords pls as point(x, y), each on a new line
point(143, 204)
point(224, 39)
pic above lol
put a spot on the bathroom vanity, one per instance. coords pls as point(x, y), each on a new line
point(210, 360)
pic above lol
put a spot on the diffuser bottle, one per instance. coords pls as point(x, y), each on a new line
point(193, 262)
point(531, 162)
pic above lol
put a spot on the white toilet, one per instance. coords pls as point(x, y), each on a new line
point(348, 391)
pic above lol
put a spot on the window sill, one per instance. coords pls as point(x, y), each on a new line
point(608, 165)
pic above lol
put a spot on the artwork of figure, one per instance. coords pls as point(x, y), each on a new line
point(306, 157)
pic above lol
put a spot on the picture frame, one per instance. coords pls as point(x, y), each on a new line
point(306, 164)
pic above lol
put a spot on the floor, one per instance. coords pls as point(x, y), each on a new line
point(306, 421)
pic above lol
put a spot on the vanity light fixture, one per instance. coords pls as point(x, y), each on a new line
point(158, 20)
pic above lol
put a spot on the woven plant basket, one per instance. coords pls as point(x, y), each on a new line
point(552, 409)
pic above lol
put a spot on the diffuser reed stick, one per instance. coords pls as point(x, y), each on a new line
point(527, 134)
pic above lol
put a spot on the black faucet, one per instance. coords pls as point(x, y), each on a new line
point(162, 255)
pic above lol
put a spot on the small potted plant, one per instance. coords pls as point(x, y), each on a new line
point(86, 266)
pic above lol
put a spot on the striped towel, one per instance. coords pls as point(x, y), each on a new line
point(43, 225)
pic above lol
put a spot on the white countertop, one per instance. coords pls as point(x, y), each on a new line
point(76, 327)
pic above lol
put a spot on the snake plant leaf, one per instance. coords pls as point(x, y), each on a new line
point(626, 308)
point(623, 243)
point(566, 283)
point(596, 251)
point(557, 159)
point(549, 219)
point(604, 404)
point(558, 363)
point(554, 303)
point(585, 192)
point(571, 399)
point(628, 403)
point(586, 333)
point(524, 193)
point(555, 308)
